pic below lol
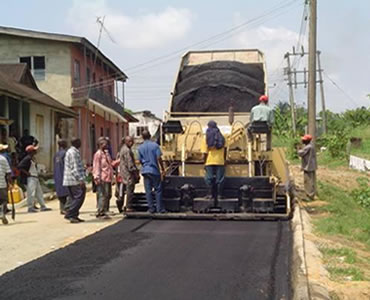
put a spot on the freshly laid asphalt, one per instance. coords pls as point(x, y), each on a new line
point(157, 259)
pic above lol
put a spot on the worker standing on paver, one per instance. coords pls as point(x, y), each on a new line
point(103, 177)
point(150, 157)
point(129, 173)
point(62, 191)
point(30, 176)
point(74, 180)
point(5, 181)
point(213, 148)
point(263, 113)
point(309, 166)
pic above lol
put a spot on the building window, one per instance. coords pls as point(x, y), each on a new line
point(77, 72)
point(88, 75)
point(140, 130)
point(36, 64)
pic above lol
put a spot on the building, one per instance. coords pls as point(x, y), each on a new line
point(73, 71)
point(146, 121)
point(24, 106)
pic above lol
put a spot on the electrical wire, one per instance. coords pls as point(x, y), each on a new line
point(165, 58)
point(341, 90)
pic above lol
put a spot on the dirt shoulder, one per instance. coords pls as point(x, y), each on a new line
point(343, 262)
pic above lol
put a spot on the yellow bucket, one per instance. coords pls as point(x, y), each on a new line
point(17, 194)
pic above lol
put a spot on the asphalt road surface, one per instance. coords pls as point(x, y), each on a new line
point(144, 259)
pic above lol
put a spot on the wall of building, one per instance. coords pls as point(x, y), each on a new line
point(152, 124)
point(57, 82)
point(77, 54)
point(102, 128)
point(42, 128)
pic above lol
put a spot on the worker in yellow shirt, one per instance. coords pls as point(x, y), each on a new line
point(213, 148)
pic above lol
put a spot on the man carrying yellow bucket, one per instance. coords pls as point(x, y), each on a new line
point(5, 181)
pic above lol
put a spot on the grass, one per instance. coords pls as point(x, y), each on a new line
point(325, 159)
point(349, 256)
point(342, 273)
point(364, 133)
point(345, 216)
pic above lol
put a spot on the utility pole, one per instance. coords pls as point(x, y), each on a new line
point(324, 123)
point(312, 69)
point(291, 94)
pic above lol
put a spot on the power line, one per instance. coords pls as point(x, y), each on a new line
point(165, 58)
point(340, 89)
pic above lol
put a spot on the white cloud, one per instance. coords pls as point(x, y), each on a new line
point(143, 31)
point(274, 42)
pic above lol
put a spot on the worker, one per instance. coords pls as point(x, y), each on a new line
point(309, 166)
point(61, 191)
point(103, 177)
point(129, 174)
point(5, 183)
point(74, 180)
point(213, 148)
point(30, 175)
point(150, 157)
point(263, 113)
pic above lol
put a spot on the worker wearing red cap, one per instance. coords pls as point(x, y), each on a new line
point(309, 166)
point(30, 176)
point(262, 112)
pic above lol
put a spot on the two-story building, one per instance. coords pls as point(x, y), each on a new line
point(24, 107)
point(76, 73)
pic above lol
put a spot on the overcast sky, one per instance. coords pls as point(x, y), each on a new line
point(141, 31)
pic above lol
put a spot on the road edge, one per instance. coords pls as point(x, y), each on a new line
point(303, 287)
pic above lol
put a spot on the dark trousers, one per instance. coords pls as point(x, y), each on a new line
point(64, 202)
point(3, 201)
point(77, 198)
point(215, 177)
point(104, 192)
point(151, 182)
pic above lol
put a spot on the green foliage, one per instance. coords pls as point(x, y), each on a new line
point(349, 274)
point(336, 143)
point(350, 256)
point(346, 216)
point(362, 194)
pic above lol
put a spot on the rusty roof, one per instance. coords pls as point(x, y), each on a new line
point(20, 91)
point(19, 73)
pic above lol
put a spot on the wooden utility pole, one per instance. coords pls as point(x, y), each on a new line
point(291, 94)
point(312, 69)
point(324, 123)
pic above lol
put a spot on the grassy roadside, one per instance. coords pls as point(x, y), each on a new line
point(364, 150)
point(344, 216)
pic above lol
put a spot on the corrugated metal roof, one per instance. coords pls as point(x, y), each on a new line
point(19, 73)
point(61, 38)
point(21, 91)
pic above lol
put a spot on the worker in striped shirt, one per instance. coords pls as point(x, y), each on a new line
point(74, 180)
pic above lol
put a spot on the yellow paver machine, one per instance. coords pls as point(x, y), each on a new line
point(223, 86)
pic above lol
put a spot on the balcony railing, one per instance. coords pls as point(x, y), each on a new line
point(101, 97)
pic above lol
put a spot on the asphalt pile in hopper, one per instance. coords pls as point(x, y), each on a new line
point(212, 87)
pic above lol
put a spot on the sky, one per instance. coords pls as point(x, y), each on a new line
point(160, 32)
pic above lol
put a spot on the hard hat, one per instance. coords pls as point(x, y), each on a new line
point(307, 137)
point(264, 98)
point(31, 148)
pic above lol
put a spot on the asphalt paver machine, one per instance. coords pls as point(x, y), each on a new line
point(222, 86)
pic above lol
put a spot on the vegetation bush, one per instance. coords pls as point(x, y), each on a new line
point(362, 194)
point(335, 140)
